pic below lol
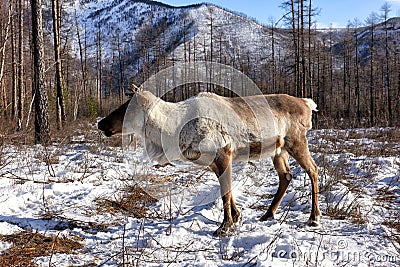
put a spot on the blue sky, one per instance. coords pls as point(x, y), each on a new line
point(332, 12)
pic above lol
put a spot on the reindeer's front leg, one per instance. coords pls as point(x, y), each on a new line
point(222, 166)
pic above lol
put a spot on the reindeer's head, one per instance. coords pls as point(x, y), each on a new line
point(129, 117)
point(113, 123)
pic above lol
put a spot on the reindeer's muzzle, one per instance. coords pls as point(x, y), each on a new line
point(105, 128)
point(108, 133)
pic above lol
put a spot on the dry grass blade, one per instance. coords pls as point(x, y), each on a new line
point(29, 245)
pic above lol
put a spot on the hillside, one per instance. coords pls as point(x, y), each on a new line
point(363, 35)
point(135, 30)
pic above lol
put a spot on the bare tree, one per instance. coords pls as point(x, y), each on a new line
point(14, 66)
point(20, 65)
point(357, 71)
point(60, 107)
point(83, 69)
point(99, 66)
point(385, 16)
point(299, 17)
point(4, 40)
point(42, 129)
point(372, 21)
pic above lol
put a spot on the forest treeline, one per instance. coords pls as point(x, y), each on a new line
point(353, 74)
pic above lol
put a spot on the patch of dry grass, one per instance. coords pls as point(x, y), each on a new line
point(386, 195)
point(351, 212)
point(133, 202)
point(371, 142)
point(29, 245)
point(395, 226)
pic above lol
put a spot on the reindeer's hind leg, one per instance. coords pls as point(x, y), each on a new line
point(282, 167)
point(222, 166)
point(298, 149)
point(234, 211)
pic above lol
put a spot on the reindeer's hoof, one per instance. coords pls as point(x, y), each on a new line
point(313, 223)
point(267, 217)
point(236, 217)
point(224, 230)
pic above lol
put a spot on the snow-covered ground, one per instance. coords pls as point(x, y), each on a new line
point(64, 189)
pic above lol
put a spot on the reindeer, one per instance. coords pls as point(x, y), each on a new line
point(215, 131)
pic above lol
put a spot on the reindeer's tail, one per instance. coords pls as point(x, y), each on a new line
point(311, 104)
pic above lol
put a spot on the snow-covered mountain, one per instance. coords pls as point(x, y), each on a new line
point(147, 31)
point(363, 37)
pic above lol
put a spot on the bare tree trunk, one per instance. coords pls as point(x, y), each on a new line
point(60, 107)
point(121, 88)
point(397, 96)
point(99, 69)
point(330, 66)
point(311, 56)
point(82, 57)
point(3, 57)
point(20, 65)
point(274, 86)
point(14, 68)
point(386, 10)
point(295, 45)
point(357, 65)
point(303, 76)
point(42, 129)
point(371, 85)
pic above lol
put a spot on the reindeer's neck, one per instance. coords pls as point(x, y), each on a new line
point(166, 116)
point(163, 120)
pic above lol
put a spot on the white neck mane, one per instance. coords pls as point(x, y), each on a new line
point(161, 130)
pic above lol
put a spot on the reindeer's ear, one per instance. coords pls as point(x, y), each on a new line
point(145, 98)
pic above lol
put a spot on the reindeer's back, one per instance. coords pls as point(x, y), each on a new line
point(296, 112)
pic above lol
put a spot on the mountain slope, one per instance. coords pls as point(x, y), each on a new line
point(144, 31)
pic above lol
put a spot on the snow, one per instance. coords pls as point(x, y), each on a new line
point(61, 196)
